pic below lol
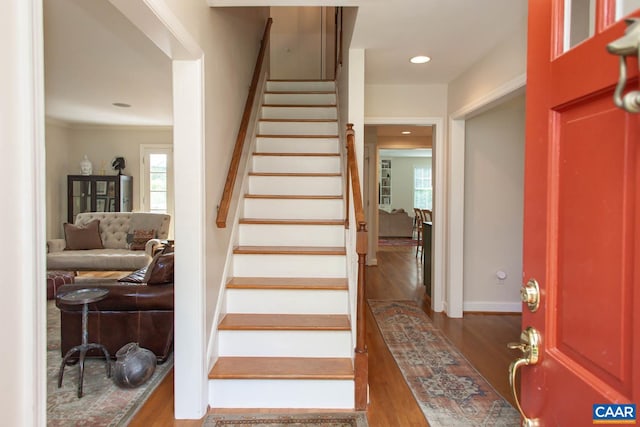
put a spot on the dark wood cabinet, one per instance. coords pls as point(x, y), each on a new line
point(98, 193)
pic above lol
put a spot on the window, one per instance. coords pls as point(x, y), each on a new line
point(157, 178)
point(422, 191)
point(158, 182)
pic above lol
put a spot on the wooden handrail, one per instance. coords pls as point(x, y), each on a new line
point(225, 202)
point(361, 364)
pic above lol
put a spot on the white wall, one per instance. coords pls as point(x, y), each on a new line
point(67, 144)
point(402, 180)
point(58, 166)
point(405, 100)
point(297, 36)
point(22, 308)
point(505, 62)
point(493, 213)
point(230, 39)
point(342, 78)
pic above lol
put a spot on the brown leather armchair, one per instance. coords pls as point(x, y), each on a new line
point(131, 312)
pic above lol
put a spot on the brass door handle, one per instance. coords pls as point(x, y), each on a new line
point(530, 294)
point(627, 45)
point(529, 345)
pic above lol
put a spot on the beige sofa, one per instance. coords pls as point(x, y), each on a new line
point(116, 229)
point(394, 224)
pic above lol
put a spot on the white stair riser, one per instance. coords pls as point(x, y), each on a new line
point(300, 164)
point(294, 208)
point(298, 128)
point(300, 98)
point(245, 265)
point(299, 113)
point(302, 86)
point(297, 145)
point(285, 344)
point(296, 185)
point(291, 235)
point(337, 394)
point(283, 301)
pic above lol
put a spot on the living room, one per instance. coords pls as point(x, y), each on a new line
point(80, 128)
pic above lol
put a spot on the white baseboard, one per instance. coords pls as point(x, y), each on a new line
point(492, 306)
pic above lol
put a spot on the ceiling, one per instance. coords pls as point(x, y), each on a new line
point(397, 130)
point(454, 33)
point(94, 57)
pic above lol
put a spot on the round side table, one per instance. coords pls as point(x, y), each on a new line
point(84, 297)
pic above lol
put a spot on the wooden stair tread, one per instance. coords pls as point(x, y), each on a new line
point(318, 283)
point(292, 221)
point(290, 250)
point(301, 92)
point(301, 80)
point(282, 368)
point(301, 105)
point(296, 154)
point(299, 120)
point(284, 322)
point(291, 196)
point(295, 136)
point(295, 174)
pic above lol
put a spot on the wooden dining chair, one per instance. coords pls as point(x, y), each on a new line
point(426, 214)
point(418, 220)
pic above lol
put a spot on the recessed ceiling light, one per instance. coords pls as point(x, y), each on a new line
point(406, 132)
point(121, 105)
point(420, 59)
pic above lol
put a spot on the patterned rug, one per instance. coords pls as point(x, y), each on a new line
point(103, 403)
point(290, 420)
point(397, 241)
point(448, 389)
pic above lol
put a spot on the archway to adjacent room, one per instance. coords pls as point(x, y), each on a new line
point(438, 198)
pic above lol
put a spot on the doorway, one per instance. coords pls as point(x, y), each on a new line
point(438, 192)
point(493, 208)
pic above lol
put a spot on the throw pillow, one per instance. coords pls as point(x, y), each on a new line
point(140, 239)
point(79, 237)
point(160, 270)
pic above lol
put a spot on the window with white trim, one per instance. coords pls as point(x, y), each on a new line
point(156, 192)
point(422, 188)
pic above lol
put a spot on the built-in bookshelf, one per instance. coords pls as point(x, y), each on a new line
point(384, 198)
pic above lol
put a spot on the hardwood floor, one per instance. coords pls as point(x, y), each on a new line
point(481, 338)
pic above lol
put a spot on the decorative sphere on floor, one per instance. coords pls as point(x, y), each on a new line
point(133, 366)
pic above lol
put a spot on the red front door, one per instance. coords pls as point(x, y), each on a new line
point(582, 215)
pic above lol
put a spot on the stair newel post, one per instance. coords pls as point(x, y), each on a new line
point(361, 363)
point(361, 352)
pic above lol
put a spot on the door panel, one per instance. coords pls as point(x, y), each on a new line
point(582, 220)
point(593, 240)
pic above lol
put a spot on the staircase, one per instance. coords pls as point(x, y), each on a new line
point(286, 340)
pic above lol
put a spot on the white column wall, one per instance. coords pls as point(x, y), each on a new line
point(22, 307)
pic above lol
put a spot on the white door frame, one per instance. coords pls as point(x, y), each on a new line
point(157, 21)
point(455, 167)
point(438, 243)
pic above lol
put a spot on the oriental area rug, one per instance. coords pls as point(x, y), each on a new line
point(448, 389)
point(358, 419)
point(102, 403)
